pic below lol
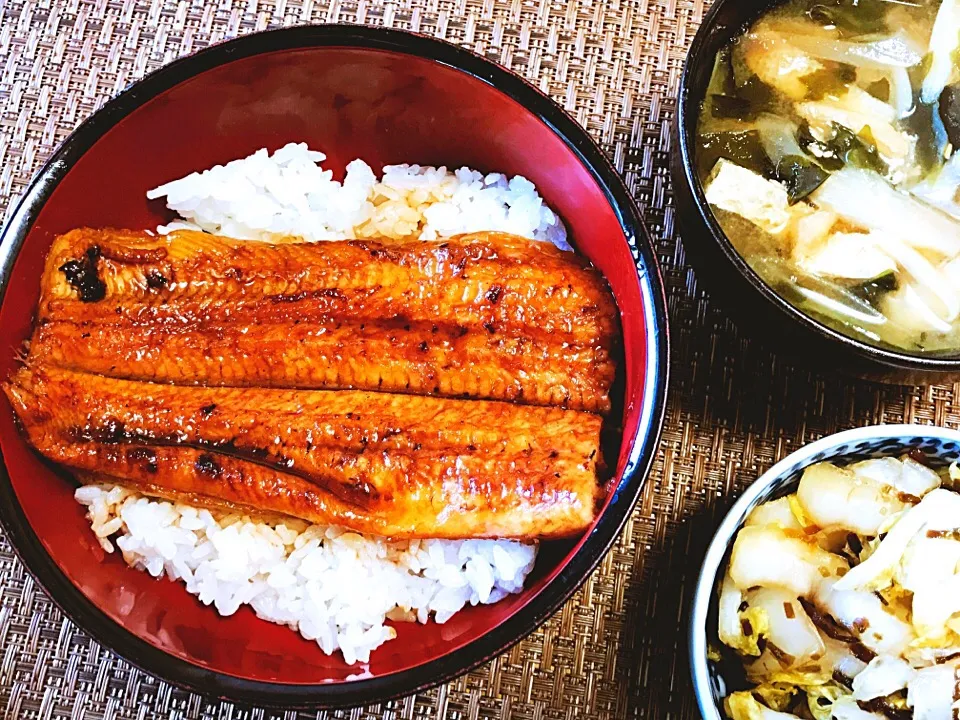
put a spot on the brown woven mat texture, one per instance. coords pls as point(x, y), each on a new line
point(616, 650)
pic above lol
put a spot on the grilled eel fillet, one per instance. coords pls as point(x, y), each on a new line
point(486, 315)
point(387, 464)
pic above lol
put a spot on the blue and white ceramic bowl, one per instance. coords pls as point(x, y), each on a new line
point(940, 445)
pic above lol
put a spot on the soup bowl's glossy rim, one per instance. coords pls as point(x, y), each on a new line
point(759, 491)
point(688, 112)
point(82, 611)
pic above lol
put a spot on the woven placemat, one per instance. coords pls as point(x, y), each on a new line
point(616, 650)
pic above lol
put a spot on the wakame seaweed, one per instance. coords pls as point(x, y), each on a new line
point(743, 102)
point(740, 146)
point(722, 81)
point(800, 176)
point(732, 107)
point(760, 95)
point(844, 148)
point(862, 149)
point(832, 79)
point(880, 89)
point(949, 112)
point(873, 290)
point(851, 17)
point(829, 156)
point(932, 133)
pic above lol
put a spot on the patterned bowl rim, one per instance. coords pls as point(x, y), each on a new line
point(752, 496)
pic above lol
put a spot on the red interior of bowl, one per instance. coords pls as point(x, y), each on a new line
point(383, 107)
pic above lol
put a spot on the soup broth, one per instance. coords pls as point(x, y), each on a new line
point(827, 152)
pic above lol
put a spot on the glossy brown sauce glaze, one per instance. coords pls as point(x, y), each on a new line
point(390, 464)
point(81, 274)
point(487, 316)
point(426, 389)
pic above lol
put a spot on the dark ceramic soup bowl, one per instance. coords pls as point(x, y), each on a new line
point(388, 97)
point(754, 305)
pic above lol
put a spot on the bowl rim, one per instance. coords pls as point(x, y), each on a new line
point(737, 514)
point(688, 111)
point(182, 673)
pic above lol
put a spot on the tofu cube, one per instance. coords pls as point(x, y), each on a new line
point(736, 189)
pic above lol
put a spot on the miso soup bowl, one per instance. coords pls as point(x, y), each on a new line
point(756, 307)
point(941, 447)
point(387, 97)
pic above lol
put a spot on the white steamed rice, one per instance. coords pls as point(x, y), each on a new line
point(289, 194)
point(334, 586)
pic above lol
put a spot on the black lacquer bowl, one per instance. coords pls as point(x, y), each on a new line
point(756, 307)
point(388, 97)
